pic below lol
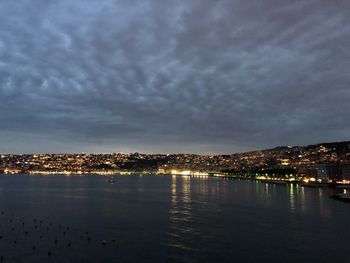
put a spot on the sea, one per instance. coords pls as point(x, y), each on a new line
point(165, 218)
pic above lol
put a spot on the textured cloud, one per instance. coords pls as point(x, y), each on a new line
point(172, 76)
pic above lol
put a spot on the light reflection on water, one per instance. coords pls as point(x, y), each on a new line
point(180, 212)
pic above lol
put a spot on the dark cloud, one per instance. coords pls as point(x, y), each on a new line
point(172, 76)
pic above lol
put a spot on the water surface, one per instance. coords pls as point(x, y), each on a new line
point(168, 219)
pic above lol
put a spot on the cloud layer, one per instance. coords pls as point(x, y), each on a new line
point(172, 76)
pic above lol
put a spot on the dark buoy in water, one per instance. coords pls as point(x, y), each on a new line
point(49, 253)
point(88, 239)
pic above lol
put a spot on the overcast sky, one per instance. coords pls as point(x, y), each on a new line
point(197, 76)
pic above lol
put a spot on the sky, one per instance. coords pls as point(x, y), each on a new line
point(164, 76)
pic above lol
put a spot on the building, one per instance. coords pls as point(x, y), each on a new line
point(329, 172)
point(346, 172)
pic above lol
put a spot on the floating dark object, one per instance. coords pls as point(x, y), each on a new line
point(26, 233)
point(88, 239)
point(15, 242)
point(104, 242)
point(49, 253)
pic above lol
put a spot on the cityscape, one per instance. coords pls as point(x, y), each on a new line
point(321, 163)
point(187, 131)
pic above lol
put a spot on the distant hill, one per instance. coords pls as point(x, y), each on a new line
point(339, 147)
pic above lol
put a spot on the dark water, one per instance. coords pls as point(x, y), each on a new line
point(168, 219)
